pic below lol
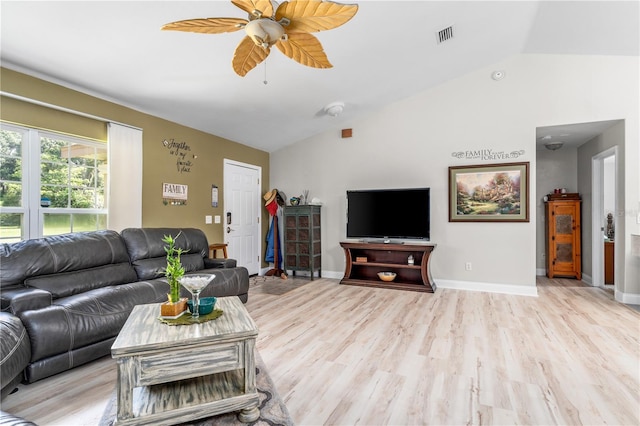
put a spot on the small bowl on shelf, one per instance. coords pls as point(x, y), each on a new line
point(387, 276)
point(205, 306)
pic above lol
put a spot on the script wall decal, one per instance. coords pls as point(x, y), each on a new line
point(487, 154)
point(182, 152)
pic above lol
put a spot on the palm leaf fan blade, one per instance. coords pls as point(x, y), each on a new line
point(314, 16)
point(249, 6)
point(207, 25)
point(305, 49)
point(247, 56)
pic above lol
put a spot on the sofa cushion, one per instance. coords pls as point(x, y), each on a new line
point(86, 318)
point(70, 283)
point(59, 253)
point(147, 254)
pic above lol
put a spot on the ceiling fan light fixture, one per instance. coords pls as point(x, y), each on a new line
point(287, 25)
point(264, 32)
point(553, 146)
point(334, 109)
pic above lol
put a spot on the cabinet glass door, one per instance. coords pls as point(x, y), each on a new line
point(563, 245)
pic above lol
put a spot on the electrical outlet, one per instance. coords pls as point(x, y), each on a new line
point(467, 266)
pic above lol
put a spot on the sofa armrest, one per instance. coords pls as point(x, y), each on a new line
point(219, 263)
point(7, 419)
point(15, 351)
point(227, 282)
point(18, 300)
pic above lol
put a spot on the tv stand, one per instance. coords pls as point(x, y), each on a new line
point(382, 241)
point(365, 260)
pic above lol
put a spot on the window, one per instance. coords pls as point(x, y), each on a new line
point(50, 184)
point(11, 186)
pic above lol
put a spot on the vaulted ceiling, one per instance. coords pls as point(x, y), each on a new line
point(388, 51)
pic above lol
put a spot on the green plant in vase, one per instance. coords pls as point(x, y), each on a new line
point(173, 271)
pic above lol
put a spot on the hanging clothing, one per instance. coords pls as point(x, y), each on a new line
point(269, 254)
point(272, 207)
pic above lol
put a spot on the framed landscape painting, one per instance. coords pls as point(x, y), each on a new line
point(489, 193)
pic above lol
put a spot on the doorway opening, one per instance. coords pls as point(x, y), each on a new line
point(572, 157)
point(604, 166)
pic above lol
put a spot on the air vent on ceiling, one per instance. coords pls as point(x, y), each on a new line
point(445, 34)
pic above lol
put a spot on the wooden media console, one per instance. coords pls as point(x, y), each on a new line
point(365, 260)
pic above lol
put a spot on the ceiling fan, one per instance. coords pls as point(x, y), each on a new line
point(287, 26)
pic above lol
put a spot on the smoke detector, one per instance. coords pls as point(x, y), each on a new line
point(334, 109)
point(498, 75)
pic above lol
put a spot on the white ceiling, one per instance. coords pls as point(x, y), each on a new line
point(387, 52)
point(572, 135)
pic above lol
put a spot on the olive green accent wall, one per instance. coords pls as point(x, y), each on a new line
point(207, 151)
point(40, 117)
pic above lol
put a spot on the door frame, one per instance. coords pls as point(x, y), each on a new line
point(597, 213)
point(226, 163)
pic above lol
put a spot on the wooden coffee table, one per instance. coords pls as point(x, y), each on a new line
point(173, 374)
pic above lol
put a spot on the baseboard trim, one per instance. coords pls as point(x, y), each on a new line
point(541, 272)
point(587, 279)
point(325, 274)
point(627, 298)
point(516, 290)
point(336, 275)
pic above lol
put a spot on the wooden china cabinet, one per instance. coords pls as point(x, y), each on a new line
point(562, 218)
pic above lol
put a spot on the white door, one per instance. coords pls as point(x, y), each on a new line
point(242, 213)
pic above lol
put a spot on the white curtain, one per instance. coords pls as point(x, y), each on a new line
point(124, 191)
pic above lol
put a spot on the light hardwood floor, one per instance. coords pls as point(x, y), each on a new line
point(343, 355)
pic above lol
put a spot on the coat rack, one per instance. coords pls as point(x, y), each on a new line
point(272, 204)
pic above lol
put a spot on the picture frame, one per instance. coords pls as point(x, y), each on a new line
point(489, 193)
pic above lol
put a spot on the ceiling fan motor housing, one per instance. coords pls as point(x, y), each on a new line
point(264, 32)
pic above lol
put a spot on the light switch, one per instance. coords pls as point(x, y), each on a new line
point(207, 219)
point(217, 218)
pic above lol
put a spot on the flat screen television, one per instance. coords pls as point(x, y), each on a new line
point(389, 214)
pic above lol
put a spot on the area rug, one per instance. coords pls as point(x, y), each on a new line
point(273, 412)
point(275, 285)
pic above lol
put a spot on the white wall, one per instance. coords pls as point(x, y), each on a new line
point(612, 137)
point(609, 202)
point(410, 144)
point(627, 266)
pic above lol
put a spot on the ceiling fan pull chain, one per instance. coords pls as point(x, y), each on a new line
point(265, 72)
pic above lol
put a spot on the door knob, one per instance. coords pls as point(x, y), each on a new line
point(229, 229)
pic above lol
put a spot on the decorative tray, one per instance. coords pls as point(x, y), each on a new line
point(172, 317)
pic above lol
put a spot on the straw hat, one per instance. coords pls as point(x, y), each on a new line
point(270, 196)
